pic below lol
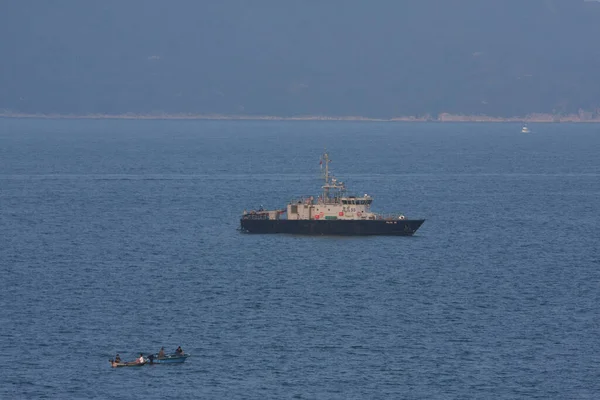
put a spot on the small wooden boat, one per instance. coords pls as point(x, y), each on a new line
point(168, 359)
point(115, 364)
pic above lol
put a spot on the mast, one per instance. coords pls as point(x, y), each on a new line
point(330, 183)
point(325, 158)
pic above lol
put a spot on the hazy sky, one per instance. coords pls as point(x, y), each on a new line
point(385, 57)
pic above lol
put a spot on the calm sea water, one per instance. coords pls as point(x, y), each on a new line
point(120, 236)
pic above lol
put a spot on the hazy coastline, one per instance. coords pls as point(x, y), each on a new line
point(444, 117)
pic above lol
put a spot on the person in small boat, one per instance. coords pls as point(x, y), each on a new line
point(161, 353)
point(141, 359)
point(179, 351)
point(117, 358)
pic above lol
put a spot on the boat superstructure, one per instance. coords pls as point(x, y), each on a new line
point(334, 203)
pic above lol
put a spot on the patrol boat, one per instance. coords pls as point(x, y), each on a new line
point(332, 213)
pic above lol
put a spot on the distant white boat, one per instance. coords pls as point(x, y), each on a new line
point(525, 129)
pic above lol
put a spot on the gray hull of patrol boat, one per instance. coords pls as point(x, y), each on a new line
point(403, 227)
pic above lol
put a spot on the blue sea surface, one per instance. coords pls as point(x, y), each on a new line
point(121, 236)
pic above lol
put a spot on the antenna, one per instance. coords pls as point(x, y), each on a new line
point(325, 158)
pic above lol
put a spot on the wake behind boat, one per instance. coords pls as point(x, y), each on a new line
point(332, 213)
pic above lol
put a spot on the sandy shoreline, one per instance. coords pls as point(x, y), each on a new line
point(534, 118)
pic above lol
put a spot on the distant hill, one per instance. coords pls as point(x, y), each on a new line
point(381, 58)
